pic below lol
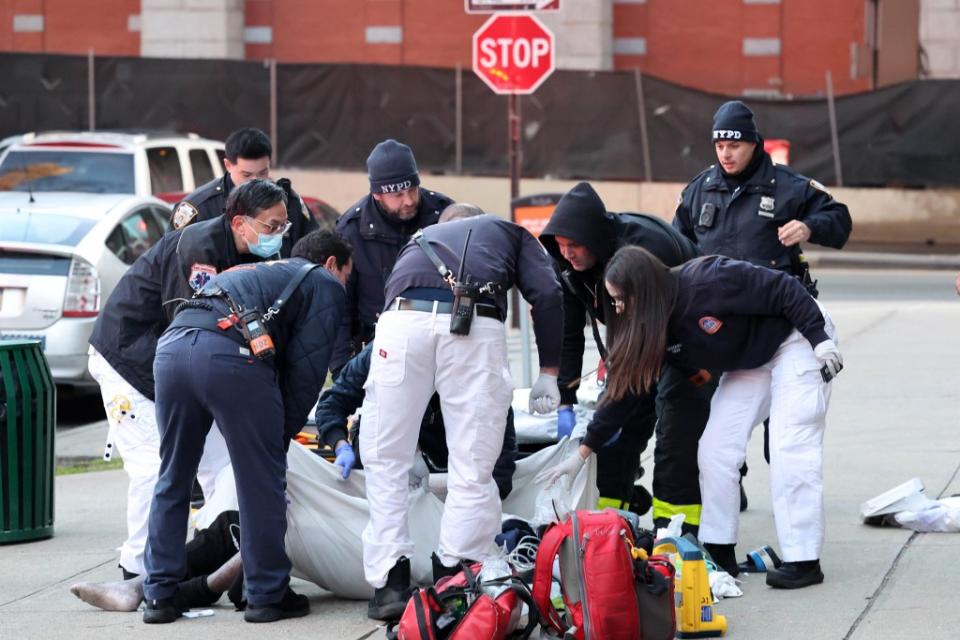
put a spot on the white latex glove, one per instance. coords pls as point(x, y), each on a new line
point(419, 474)
point(828, 354)
point(545, 394)
point(568, 467)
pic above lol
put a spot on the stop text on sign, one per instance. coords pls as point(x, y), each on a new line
point(508, 52)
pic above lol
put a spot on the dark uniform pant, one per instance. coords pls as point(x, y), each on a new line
point(682, 412)
point(201, 376)
point(677, 410)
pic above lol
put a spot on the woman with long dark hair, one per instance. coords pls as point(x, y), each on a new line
point(776, 348)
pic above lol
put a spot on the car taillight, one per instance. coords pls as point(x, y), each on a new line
point(83, 290)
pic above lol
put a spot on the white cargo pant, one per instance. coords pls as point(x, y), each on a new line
point(134, 437)
point(790, 390)
point(413, 355)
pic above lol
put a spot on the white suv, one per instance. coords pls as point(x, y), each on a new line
point(140, 163)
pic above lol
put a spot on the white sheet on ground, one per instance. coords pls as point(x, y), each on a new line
point(326, 514)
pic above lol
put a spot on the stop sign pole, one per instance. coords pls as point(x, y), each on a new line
point(513, 54)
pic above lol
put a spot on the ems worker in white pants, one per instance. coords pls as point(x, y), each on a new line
point(418, 351)
point(777, 350)
point(135, 438)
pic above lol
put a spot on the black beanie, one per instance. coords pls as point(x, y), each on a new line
point(391, 167)
point(734, 121)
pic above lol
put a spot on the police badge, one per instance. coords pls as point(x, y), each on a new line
point(200, 275)
point(183, 214)
point(766, 207)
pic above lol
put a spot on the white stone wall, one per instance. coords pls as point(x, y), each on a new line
point(192, 29)
point(584, 33)
point(940, 37)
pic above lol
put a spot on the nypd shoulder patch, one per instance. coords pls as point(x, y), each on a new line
point(184, 214)
point(200, 275)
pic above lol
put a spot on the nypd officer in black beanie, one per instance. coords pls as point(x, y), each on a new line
point(377, 227)
point(748, 208)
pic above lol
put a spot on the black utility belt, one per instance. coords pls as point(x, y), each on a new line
point(435, 306)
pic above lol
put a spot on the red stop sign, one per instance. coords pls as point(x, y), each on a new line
point(513, 53)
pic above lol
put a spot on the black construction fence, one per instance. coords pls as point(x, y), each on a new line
point(579, 124)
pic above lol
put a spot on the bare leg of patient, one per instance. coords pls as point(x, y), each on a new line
point(126, 595)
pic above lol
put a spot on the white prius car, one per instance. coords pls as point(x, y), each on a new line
point(61, 254)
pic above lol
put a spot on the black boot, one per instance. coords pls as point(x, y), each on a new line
point(442, 571)
point(292, 605)
point(724, 556)
point(389, 601)
point(795, 575)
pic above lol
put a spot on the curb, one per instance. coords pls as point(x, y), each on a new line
point(878, 260)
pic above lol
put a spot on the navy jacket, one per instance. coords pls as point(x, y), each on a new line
point(346, 396)
point(732, 315)
point(376, 240)
point(210, 201)
point(583, 292)
point(303, 331)
point(500, 252)
point(746, 218)
point(144, 300)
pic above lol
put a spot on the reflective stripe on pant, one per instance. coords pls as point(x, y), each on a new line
point(790, 387)
point(134, 437)
point(413, 355)
point(682, 412)
point(201, 377)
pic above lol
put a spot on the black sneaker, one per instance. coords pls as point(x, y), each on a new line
point(389, 601)
point(161, 611)
point(293, 605)
point(795, 575)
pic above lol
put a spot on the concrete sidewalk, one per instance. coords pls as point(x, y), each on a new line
point(894, 415)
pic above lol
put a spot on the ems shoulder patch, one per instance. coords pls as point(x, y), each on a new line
point(710, 325)
point(200, 275)
point(819, 187)
point(183, 214)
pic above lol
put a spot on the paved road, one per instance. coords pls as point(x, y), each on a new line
point(895, 415)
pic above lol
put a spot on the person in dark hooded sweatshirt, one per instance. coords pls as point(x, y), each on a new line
point(582, 236)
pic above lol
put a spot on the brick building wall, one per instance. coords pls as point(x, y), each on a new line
point(756, 47)
point(109, 27)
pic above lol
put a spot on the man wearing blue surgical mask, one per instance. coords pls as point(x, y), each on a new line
point(141, 306)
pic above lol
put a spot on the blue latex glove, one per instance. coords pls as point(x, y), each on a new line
point(346, 459)
point(566, 421)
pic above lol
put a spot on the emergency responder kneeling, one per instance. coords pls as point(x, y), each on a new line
point(251, 352)
point(442, 331)
point(777, 349)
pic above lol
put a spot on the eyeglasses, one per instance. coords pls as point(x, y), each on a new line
point(273, 229)
point(618, 304)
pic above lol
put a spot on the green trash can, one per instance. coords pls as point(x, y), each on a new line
point(27, 427)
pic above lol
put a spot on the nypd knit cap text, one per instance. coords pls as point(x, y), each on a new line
point(391, 167)
point(734, 121)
